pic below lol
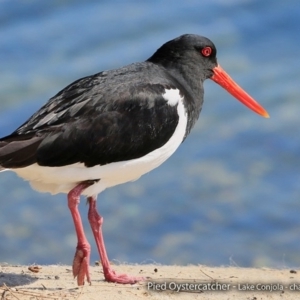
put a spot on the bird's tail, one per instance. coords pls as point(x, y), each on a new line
point(18, 151)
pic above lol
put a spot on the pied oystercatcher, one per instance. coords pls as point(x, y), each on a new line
point(113, 127)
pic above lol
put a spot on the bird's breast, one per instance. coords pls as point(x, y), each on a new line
point(64, 178)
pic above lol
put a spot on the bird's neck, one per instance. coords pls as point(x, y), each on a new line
point(192, 89)
point(189, 80)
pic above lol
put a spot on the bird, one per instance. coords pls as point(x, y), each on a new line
point(113, 127)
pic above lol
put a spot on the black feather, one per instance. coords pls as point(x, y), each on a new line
point(108, 117)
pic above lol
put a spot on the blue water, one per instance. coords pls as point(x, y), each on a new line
point(229, 195)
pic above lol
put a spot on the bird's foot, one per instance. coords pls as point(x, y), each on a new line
point(111, 276)
point(81, 264)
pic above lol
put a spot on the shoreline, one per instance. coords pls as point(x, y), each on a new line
point(164, 282)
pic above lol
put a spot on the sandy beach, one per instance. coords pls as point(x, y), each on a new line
point(163, 282)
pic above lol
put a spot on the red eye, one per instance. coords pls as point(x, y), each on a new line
point(206, 51)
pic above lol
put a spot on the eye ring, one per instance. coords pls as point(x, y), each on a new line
point(206, 51)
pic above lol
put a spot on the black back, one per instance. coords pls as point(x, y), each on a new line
point(114, 115)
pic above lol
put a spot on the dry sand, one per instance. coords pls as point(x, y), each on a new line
point(56, 282)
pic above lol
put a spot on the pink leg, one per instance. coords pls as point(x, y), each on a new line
point(82, 255)
point(96, 222)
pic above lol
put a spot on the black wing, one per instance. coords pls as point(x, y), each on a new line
point(108, 117)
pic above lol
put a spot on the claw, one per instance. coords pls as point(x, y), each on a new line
point(81, 264)
point(111, 276)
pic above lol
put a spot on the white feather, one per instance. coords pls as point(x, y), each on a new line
point(172, 96)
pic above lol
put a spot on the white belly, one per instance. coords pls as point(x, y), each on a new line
point(63, 179)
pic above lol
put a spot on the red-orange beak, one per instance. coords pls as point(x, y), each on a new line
point(225, 81)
